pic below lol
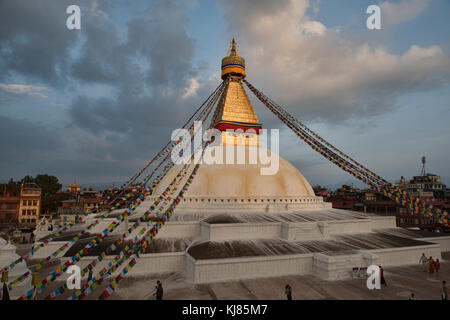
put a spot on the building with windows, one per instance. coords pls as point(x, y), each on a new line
point(74, 188)
point(9, 208)
point(429, 183)
point(89, 199)
point(29, 205)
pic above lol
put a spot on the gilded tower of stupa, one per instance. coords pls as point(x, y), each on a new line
point(235, 117)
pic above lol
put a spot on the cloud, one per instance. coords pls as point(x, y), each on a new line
point(307, 67)
point(34, 91)
point(191, 89)
point(34, 40)
point(23, 140)
point(149, 67)
point(393, 13)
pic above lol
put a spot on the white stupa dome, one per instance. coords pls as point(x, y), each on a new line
point(243, 185)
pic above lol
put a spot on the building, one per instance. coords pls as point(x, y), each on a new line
point(74, 188)
point(372, 201)
point(9, 207)
point(29, 205)
point(89, 199)
point(428, 188)
point(83, 201)
point(69, 213)
point(345, 197)
point(426, 185)
point(20, 205)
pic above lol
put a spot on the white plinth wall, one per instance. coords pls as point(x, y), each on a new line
point(7, 256)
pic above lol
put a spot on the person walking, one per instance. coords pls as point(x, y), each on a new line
point(444, 293)
point(423, 262)
point(382, 280)
point(437, 266)
point(90, 273)
point(431, 265)
point(288, 291)
point(5, 292)
point(159, 290)
point(412, 297)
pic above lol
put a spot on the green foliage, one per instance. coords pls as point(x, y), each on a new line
point(48, 184)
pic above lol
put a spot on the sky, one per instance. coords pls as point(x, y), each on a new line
point(94, 105)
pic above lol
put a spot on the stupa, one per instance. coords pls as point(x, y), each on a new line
point(236, 223)
point(7, 256)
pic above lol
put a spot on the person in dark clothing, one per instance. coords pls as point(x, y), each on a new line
point(444, 293)
point(159, 290)
point(288, 291)
point(382, 280)
point(5, 293)
point(90, 273)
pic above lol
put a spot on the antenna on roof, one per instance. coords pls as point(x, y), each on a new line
point(422, 173)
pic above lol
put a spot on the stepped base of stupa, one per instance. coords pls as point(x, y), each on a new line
point(216, 247)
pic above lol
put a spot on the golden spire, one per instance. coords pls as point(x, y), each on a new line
point(233, 48)
point(235, 112)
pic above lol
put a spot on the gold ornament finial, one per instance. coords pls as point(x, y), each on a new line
point(234, 51)
point(233, 64)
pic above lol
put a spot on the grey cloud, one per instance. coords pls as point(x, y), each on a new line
point(27, 135)
point(34, 40)
point(26, 145)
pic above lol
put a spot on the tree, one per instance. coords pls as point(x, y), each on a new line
point(27, 179)
point(48, 184)
point(317, 188)
point(49, 187)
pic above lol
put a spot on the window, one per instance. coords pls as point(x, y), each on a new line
point(24, 212)
point(24, 202)
point(34, 202)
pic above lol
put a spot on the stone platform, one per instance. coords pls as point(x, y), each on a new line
point(326, 243)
